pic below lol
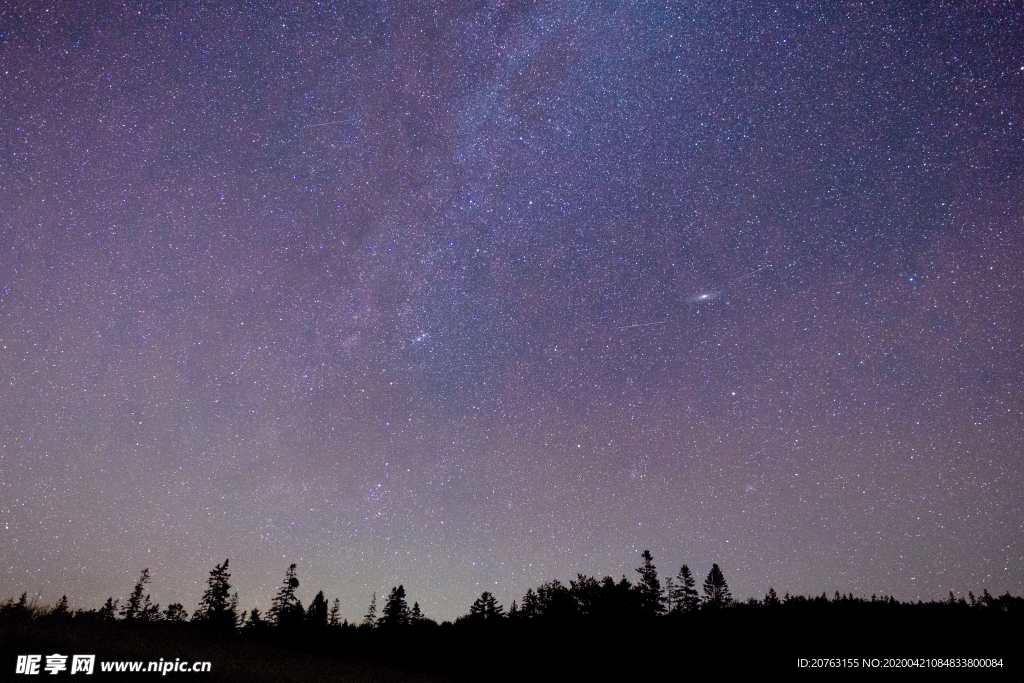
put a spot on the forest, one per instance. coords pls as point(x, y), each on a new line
point(590, 628)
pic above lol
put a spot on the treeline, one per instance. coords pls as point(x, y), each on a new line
point(584, 598)
point(588, 627)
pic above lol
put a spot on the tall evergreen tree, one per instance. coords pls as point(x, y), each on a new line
point(670, 595)
point(554, 600)
point(238, 619)
point(370, 620)
point(216, 607)
point(415, 615)
point(140, 607)
point(586, 591)
point(396, 610)
point(61, 608)
point(316, 614)
point(109, 610)
point(255, 620)
point(652, 600)
point(285, 609)
point(771, 598)
point(531, 606)
point(686, 597)
point(716, 590)
point(486, 607)
point(335, 613)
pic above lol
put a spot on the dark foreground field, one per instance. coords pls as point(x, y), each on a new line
point(860, 637)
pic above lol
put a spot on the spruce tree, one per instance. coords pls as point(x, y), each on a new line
point(531, 606)
point(140, 607)
point(716, 590)
point(109, 610)
point(332, 616)
point(771, 599)
point(285, 609)
point(370, 620)
point(686, 598)
point(316, 615)
point(670, 595)
point(396, 610)
point(486, 607)
point(652, 600)
point(255, 620)
point(61, 608)
point(236, 619)
point(216, 607)
point(415, 616)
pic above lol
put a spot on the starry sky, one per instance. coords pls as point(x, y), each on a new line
point(474, 295)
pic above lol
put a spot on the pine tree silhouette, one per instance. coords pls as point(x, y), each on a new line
point(141, 607)
point(370, 620)
point(255, 620)
point(686, 598)
point(332, 616)
point(316, 613)
point(530, 608)
point(61, 608)
point(670, 595)
point(486, 608)
point(216, 607)
point(285, 609)
point(555, 601)
point(109, 610)
point(396, 610)
point(652, 600)
point(716, 590)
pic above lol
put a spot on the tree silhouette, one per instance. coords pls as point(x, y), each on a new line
point(686, 598)
point(109, 610)
point(486, 608)
point(216, 607)
point(396, 610)
point(670, 595)
point(332, 616)
point(771, 599)
point(716, 590)
point(176, 613)
point(554, 600)
point(415, 615)
point(61, 608)
point(285, 609)
point(530, 606)
point(370, 620)
point(255, 620)
point(586, 591)
point(652, 600)
point(316, 614)
point(141, 607)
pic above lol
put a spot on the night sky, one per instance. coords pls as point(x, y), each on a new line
point(471, 296)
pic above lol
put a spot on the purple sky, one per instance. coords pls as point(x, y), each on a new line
point(471, 296)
